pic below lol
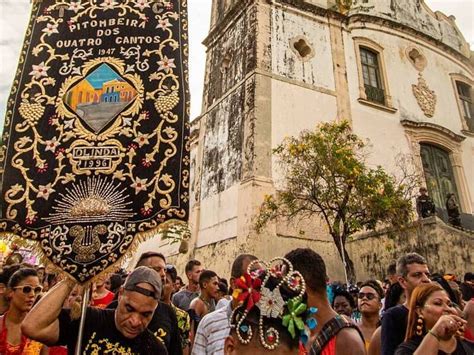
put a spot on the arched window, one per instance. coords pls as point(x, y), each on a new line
point(438, 174)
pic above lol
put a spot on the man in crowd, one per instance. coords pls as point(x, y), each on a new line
point(344, 335)
point(215, 327)
point(209, 286)
point(206, 301)
point(183, 298)
point(425, 206)
point(121, 330)
point(392, 273)
point(164, 324)
point(467, 287)
point(412, 271)
point(184, 321)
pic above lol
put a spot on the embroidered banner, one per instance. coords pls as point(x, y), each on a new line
point(96, 130)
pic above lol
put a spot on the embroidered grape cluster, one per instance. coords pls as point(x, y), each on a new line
point(167, 103)
point(31, 112)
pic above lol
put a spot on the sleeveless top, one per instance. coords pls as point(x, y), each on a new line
point(26, 346)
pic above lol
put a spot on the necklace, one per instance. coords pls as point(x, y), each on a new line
point(210, 306)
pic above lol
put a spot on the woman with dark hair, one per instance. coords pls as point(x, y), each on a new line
point(114, 282)
point(22, 290)
point(369, 303)
point(343, 303)
point(433, 326)
point(395, 295)
point(272, 315)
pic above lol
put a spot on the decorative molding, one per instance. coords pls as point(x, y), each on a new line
point(416, 58)
point(428, 126)
point(430, 133)
point(377, 106)
point(425, 97)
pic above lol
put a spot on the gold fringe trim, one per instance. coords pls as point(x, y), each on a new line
point(173, 229)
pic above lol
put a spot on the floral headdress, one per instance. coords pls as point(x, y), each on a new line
point(272, 290)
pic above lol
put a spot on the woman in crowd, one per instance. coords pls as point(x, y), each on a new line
point(343, 303)
point(369, 302)
point(22, 291)
point(101, 296)
point(433, 326)
point(271, 313)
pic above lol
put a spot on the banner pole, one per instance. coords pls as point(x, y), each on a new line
point(85, 302)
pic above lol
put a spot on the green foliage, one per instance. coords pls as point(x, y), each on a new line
point(325, 175)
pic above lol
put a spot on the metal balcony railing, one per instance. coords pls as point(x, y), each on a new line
point(375, 94)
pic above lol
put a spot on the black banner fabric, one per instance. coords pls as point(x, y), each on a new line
point(96, 130)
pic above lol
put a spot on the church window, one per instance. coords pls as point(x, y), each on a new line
point(438, 173)
point(466, 102)
point(301, 47)
point(374, 90)
point(371, 74)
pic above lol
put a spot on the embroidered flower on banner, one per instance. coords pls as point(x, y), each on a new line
point(69, 124)
point(142, 139)
point(108, 4)
point(166, 64)
point(75, 6)
point(141, 4)
point(51, 145)
point(51, 28)
point(271, 304)
point(39, 70)
point(164, 24)
point(44, 191)
point(139, 185)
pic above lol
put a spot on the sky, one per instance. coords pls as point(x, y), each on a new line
point(14, 17)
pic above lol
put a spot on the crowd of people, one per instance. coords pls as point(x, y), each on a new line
point(283, 306)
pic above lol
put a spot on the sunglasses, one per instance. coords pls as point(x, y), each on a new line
point(369, 296)
point(27, 289)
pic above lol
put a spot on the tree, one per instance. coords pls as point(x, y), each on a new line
point(325, 175)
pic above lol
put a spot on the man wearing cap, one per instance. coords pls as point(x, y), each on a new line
point(123, 330)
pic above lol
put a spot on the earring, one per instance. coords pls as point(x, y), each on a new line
point(419, 325)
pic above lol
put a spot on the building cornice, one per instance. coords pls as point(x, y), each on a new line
point(352, 19)
point(230, 16)
point(363, 18)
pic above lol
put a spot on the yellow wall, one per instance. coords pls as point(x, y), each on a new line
point(82, 93)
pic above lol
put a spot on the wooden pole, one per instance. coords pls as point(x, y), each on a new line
point(85, 302)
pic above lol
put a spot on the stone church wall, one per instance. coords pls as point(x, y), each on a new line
point(447, 250)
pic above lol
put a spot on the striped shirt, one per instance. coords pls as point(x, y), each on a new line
point(212, 331)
